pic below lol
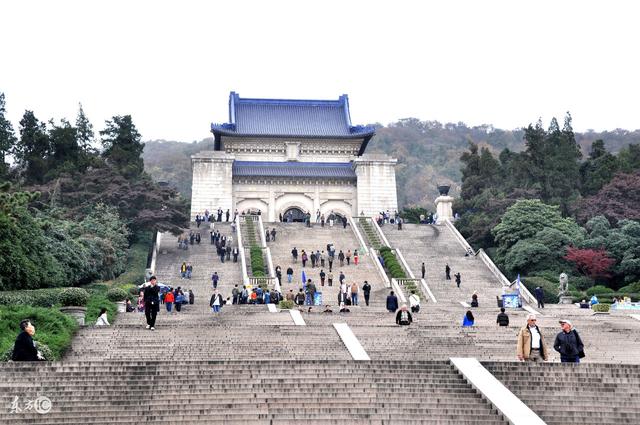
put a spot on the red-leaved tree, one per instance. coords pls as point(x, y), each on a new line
point(592, 263)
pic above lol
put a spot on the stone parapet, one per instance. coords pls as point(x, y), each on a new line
point(376, 184)
point(212, 186)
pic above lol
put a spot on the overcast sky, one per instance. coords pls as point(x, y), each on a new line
point(172, 64)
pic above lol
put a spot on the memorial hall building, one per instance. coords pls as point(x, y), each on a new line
point(289, 157)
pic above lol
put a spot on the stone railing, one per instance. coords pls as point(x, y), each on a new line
point(243, 258)
point(272, 270)
point(270, 282)
point(356, 231)
point(383, 275)
point(458, 236)
point(155, 249)
point(524, 292)
point(421, 283)
point(398, 290)
point(263, 241)
point(428, 290)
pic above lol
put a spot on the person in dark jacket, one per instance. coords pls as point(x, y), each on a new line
point(392, 302)
point(24, 350)
point(151, 302)
point(502, 319)
point(403, 318)
point(366, 290)
point(568, 343)
point(539, 293)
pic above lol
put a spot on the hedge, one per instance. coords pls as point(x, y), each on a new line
point(257, 261)
point(601, 308)
point(36, 297)
point(53, 328)
point(391, 263)
point(598, 290)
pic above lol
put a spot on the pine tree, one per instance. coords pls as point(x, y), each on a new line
point(32, 150)
point(122, 146)
point(7, 137)
point(85, 131)
point(65, 151)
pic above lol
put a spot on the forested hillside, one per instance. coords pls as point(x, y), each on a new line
point(428, 153)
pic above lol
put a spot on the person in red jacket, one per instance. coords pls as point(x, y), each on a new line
point(169, 300)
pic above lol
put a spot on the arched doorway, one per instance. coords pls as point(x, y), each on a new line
point(293, 214)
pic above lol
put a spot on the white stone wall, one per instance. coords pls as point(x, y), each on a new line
point(273, 197)
point(376, 184)
point(212, 185)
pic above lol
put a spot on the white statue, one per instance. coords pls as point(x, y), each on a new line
point(564, 284)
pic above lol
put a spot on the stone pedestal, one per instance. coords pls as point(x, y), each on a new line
point(78, 313)
point(444, 208)
point(566, 299)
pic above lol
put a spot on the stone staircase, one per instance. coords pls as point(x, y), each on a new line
point(244, 392)
point(563, 394)
point(248, 365)
point(204, 260)
point(437, 246)
point(291, 235)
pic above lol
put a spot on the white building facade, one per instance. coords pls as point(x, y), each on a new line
point(289, 157)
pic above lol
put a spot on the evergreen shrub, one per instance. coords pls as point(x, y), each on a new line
point(71, 297)
point(601, 308)
point(285, 305)
point(599, 290)
point(116, 294)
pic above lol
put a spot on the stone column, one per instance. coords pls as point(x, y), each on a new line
point(212, 185)
point(376, 184)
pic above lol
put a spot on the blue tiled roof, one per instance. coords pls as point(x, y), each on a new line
point(334, 170)
point(298, 118)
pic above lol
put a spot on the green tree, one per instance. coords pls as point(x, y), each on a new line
point(480, 171)
point(630, 158)
point(526, 228)
point(65, 153)
point(622, 243)
point(122, 146)
point(85, 131)
point(552, 162)
point(598, 169)
point(7, 137)
point(32, 150)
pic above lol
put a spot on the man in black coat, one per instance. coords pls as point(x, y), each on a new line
point(539, 292)
point(151, 302)
point(392, 302)
point(569, 344)
point(366, 289)
point(24, 349)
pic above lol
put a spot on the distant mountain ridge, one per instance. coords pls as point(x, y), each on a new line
point(428, 154)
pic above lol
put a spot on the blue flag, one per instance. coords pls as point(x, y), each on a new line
point(304, 280)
